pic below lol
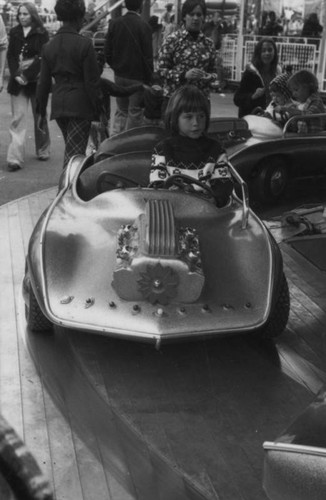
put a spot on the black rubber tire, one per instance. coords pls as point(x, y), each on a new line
point(36, 321)
point(271, 181)
point(279, 315)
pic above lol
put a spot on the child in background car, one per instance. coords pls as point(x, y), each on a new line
point(188, 150)
point(304, 88)
point(281, 100)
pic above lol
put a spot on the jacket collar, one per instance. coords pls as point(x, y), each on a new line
point(132, 12)
point(253, 68)
point(67, 29)
point(20, 32)
point(183, 33)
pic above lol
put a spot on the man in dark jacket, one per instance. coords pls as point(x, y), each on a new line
point(69, 70)
point(129, 53)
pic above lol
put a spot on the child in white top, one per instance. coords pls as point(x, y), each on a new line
point(281, 100)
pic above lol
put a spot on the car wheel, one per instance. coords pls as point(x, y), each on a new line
point(280, 314)
point(271, 180)
point(36, 321)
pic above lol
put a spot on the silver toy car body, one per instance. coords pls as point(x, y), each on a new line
point(273, 158)
point(115, 257)
point(295, 463)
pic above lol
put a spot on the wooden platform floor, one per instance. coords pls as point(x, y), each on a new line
point(116, 420)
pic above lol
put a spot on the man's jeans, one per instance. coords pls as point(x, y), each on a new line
point(129, 112)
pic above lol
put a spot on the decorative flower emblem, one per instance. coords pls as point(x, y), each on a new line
point(189, 247)
point(159, 284)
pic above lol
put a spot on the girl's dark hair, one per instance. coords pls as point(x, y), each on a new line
point(32, 10)
point(69, 10)
point(306, 78)
point(256, 58)
point(186, 99)
point(190, 5)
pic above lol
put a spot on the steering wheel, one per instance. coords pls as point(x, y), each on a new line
point(182, 180)
point(109, 180)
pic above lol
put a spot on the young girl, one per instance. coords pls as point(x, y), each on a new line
point(188, 149)
point(304, 87)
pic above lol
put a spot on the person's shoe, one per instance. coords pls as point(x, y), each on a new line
point(12, 167)
point(43, 157)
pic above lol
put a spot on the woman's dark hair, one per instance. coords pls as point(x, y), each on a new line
point(190, 5)
point(306, 78)
point(186, 99)
point(69, 10)
point(256, 58)
point(272, 16)
point(313, 18)
point(32, 10)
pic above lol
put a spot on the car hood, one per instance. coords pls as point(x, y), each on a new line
point(77, 265)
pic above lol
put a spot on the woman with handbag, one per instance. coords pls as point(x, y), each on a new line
point(26, 40)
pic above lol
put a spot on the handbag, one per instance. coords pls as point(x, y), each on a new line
point(24, 64)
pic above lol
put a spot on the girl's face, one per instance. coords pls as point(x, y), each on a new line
point(194, 20)
point(267, 53)
point(24, 17)
point(300, 93)
point(192, 124)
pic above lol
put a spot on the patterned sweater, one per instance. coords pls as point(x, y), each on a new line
point(202, 159)
point(182, 51)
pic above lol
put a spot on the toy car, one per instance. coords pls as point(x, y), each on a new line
point(294, 464)
point(272, 157)
point(114, 257)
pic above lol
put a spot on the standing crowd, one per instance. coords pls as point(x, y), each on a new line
point(291, 24)
point(147, 78)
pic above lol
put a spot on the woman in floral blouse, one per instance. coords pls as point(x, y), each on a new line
point(187, 55)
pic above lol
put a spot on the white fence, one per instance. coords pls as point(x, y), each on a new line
point(299, 53)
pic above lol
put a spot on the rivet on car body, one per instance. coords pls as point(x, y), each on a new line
point(112, 304)
point(89, 302)
point(182, 310)
point(227, 307)
point(159, 312)
point(136, 309)
point(248, 305)
point(67, 299)
point(206, 308)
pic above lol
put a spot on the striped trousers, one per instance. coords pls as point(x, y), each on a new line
point(75, 133)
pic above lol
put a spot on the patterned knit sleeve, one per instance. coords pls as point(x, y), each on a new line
point(158, 172)
point(315, 105)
